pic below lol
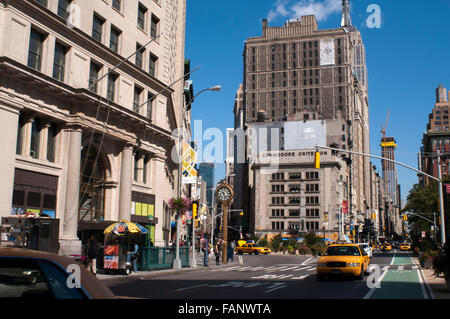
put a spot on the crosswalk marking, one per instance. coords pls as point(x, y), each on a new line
point(300, 277)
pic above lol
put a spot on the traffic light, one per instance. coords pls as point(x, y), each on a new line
point(317, 159)
point(241, 213)
point(194, 210)
point(405, 217)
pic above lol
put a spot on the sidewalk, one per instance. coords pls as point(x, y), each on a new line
point(436, 285)
point(163, 272)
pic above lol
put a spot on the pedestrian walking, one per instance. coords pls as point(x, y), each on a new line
point(217, 250)
point(233, 246)
point(92, 253)
point(206, 251)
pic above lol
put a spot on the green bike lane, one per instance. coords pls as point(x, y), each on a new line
point(400, 281)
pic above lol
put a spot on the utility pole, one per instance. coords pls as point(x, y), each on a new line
point(441, 198)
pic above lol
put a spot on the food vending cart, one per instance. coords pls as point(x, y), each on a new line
point(118, 239)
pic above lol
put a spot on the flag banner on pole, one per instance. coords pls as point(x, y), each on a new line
point(189, 160)
point(447, 188)
point(345, 207)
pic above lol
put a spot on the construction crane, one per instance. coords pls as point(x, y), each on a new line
point(383, 129)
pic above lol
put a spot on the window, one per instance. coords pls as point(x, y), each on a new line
point(35, 142)
point(154, 27)
point(136, 168)
point(110, 92)
point(51, 137)
point(59, 62)
point(139, 55)
point(62, 8)
point(22, 278)
point(97, 28)
point(142, 11)
point(35, 50)
point(42, 2)
point(114, 39)
point(137, 98)
point(20, 135)
point(152, 64)
point(146, 163)
point(93, 76)
point(116, 4)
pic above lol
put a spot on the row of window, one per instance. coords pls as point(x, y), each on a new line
point(294, 225)
point(97, 28)
point(296, 176)
point(295, 188)
point(309, 212)
point(36, 138)
point(310, 200)
point(35, 55)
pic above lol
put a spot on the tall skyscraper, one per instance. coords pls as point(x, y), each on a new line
point(317, 79)
point(206, 171)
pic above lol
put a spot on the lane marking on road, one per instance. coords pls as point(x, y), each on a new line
point(302, 268)
point(304, 263)
point(276, 269)
point(278, 285)
point(300, 277)
point(290, 268)
point(423, 282)
point(244, 268)
point(372, 290)
point(192, 287)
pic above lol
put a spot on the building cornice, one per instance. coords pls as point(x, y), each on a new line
point(74, 96)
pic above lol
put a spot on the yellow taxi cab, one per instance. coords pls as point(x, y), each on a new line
point(251, 248)
point(387, 246)
point(343, 259)
point(405, 246)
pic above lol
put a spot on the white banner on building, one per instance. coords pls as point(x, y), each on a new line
point(299, 135)
point(327, 55)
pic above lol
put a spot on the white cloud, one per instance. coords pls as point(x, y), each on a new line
point(322, 9)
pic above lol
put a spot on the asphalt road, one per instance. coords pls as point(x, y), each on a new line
point(278, 277)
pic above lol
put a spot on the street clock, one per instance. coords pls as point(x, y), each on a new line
point(224, 194)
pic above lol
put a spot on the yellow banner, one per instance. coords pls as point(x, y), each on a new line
point(189, 160)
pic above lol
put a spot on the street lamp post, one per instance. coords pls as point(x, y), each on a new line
point(177, 261)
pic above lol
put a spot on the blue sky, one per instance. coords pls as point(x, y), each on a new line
point(406, 59)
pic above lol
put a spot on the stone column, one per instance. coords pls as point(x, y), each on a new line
point(9, 119)
point(126, 178)
point(69, 241)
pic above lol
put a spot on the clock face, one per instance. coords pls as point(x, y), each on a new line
point(224, 194)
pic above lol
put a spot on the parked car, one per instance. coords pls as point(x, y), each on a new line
point(26, 273)
point(342, 260)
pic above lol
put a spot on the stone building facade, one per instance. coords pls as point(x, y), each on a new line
point(83, 144)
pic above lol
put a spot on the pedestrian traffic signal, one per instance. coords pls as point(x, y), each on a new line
point(317, 160)
point(241, 213)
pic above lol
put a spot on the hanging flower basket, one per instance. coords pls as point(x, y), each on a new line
point(179, 204)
